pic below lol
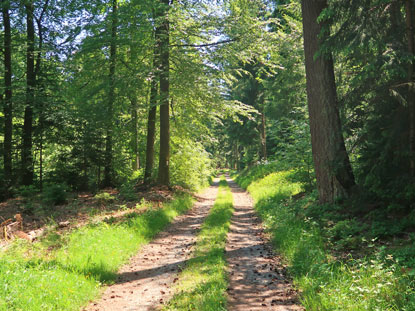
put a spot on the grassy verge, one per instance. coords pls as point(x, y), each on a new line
point(63, 273)
point(326, 282)
point(203, 282)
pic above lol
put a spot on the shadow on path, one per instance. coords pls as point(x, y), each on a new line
point(257, 280)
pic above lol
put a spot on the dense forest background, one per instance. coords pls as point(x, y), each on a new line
point(117, 93)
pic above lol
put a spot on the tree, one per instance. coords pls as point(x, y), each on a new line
point(8, 106)
point(27, 152)
point(108, 168)
point(411, 94)
point(164, 157)
point(152, 110)
point(333, 170)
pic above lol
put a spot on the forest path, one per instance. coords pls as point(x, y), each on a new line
point(144, 283)
point(256, 277)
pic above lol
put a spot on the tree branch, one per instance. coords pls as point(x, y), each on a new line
point(206, 44)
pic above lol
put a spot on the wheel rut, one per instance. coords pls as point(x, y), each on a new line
point(257, 279)
point(145, 282)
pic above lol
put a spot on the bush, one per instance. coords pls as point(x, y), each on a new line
point(104, 197)
point(190, 165)
point(27, 192)
point(127, 192)
point(54, 194)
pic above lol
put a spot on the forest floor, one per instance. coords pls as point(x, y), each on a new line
point(79, 209)
point(257, 279)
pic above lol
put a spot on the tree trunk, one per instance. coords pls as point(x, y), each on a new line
point(41, 160)
point(151, 121)
point(151, 131)
point(262, 130)
point(136, 160)
point(8, 106)
point(108, 168)
point(333, 170)
point(164, 157)
point(27, 152)
point(411, 93)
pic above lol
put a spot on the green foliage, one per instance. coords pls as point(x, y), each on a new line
point(345, 234)
point(54, 194)
point(69, 276)
point(128, 192)
point(202, 284)
point(27, 192)
point(104, 197)
point(249, 175)
point(191, 165)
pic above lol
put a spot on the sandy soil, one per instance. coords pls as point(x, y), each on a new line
point(145, 282)
point(257, 279)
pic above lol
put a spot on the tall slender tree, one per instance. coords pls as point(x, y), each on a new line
point(164, 157)
point(333, 170)
point(108, 168)
point(411, 94)
point(27, 152)
point(151, 129)
point(152, 112)
point(8, 108)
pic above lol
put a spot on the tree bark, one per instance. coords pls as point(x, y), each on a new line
point(262, 130)
point(27, 152)
point(151, 131)
point(332, 166)
point(151, 121)
point(8, 105)
point(164, 157)
point(411, 93)
point(108, 166)
point(136, 160)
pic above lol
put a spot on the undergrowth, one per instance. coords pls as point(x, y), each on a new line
point(203, 282)
point(64, 273)
point(326, 282)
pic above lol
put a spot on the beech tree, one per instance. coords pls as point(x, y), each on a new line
point(27, 146)
point(164, 157)
point(108, 168)
point(8, 106)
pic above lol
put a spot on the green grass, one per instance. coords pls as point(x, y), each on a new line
point(202, 284)
point(31, 278)
point(325, 282)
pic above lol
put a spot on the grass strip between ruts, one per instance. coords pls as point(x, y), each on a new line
point(202, 283)
point(31, 278)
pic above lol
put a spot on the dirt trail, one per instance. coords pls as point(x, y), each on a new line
point(256, 278)
point(144, 283)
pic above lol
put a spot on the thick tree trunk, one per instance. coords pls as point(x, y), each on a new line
point(27, 152)
point(8, 106)
point(164, 157)
point(333, 170)
point(411, 93)
point(108, 168)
